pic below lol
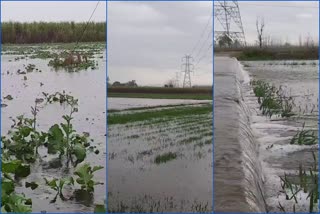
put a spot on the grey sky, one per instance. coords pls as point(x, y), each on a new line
point(284, 20)
point(146, 40)
point(52, 11)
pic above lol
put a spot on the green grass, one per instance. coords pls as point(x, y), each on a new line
point(271, 100)
point(305, 137)
point(162, 96)
point(159, 114)
point(165, 157)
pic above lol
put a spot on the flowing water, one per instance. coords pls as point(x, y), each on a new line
point(252, 153)
point(89, 86)
point(298, 79)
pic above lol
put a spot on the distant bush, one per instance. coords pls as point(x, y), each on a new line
point(281, 53)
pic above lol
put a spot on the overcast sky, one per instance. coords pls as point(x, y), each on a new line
point(52, 11)
point(283, 20)
point(146, 40)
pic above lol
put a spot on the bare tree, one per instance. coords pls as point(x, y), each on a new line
point(260, 27)
point(309, 41)
point(300, 41)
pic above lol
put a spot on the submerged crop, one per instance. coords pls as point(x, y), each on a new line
point(20, 153)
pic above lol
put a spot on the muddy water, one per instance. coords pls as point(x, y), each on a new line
point(237, 172)
point(251, 153)
point(138, 184)
point(89, 87)
point(300, 80)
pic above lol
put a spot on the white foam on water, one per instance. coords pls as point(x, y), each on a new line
point(272, 125)
point(273, 145)
point(245, 78)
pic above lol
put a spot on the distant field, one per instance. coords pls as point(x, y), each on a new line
point(161, 93)
point(272, 53)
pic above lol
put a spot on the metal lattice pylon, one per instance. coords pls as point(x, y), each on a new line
point(227, 13)
point(187, 69)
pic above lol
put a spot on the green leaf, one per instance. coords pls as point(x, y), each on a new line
point(64, 127)
point(96, 168)
point(23, 171)
point(84, 173)
point(71, 180)
point(7, 187)
point(10, 167)
point(100, 208)
point(55, 139)
point(32, 185)
point(52, 184)
point(25, 131)
point(80, 152)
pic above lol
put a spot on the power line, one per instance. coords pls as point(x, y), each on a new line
point(203, 45)
point(203, 56)
point(202, 34)
point(86, 26)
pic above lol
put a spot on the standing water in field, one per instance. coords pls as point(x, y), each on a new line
point(263, 163)
point(25, 77)
point(288, 146)
point(160, 158)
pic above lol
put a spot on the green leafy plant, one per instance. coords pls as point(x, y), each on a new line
point(64, 140)
point(24, 140)
point(58, 185)
point(85, 177)
point(11, 201)
point(58, 97)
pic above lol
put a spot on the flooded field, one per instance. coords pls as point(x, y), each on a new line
point(160, 159)
point(288, 146)
point(34, 87)
point(270, 147)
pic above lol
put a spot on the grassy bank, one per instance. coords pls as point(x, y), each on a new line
point(161, 93)
point(163, 113)
point(52, 32)
point(273, 53)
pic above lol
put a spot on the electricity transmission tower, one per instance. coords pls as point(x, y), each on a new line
point(227, 13)
point(188, 68)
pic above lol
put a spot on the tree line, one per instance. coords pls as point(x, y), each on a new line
point(52, 32)
point(264, 40)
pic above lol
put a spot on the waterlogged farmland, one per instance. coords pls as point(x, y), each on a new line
point(53, 156)
point(160, 157)
point(283, 100)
